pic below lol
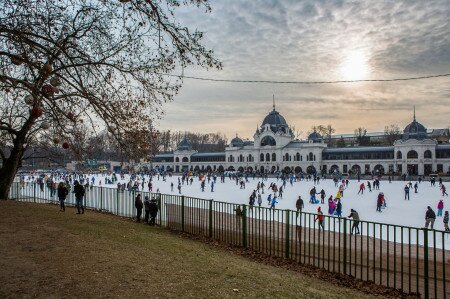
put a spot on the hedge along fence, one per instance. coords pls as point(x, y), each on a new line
point(410, 259)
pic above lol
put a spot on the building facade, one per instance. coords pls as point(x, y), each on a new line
point(274, 148)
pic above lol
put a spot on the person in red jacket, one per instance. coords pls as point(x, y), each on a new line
point(440, 207)
point(379, 202)
point(361, 188)
point(320, 217)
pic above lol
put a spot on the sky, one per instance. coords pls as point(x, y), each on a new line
point(317, 40)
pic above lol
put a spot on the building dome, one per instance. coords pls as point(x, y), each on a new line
point(415, 130)
point(274, 119)
point(184, 145)
point(315, 137)
point(236, 142)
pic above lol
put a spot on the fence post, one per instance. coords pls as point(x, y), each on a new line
point(211, 218)
point(287, 234)
point(117, 202)
point(182, 213)
point(244, 226)
point(425, 263)
point(345, 246)
point(101, 198)
point(34, 192)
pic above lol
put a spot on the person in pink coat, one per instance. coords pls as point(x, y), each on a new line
point(440, 207)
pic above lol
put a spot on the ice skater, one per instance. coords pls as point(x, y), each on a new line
point(440, 207)
point(430, 217)
point(320, 217)
point(406, 192)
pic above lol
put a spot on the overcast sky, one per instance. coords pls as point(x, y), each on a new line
point(318, 40)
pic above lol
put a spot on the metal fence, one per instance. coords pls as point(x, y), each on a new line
point(410, 259)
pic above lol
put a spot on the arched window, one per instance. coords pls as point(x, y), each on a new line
point(261, 157)
point(311, 157)
point(412, 155)
point(286, 157)
point(177, 159)
point(268, 140)
point(427, 154)
point(241, 158)
point(399, 155)
point(297, 157)
point(274, 157)
point(267, 157)
point(185, 159)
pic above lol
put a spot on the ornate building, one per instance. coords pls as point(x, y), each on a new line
point(275, 149)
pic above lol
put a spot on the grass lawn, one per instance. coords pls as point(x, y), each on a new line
point(47, 253)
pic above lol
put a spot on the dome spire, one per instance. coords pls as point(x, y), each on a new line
point(273, 98)
point(414, 113)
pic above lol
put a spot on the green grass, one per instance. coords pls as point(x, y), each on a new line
point(47, 253)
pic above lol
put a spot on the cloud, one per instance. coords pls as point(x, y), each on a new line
point(308, 40)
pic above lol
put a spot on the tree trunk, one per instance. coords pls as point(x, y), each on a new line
point(9, 170)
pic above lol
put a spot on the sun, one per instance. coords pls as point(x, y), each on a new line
point(355, 66)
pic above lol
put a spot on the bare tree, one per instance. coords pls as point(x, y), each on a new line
point(361, 138)
point(101, 63)
point(392, 133)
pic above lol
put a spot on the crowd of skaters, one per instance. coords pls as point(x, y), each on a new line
point(78, 182)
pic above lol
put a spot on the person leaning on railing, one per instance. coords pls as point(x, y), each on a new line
point(355, 217)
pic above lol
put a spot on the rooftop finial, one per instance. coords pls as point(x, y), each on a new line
point(236, 135)
point(273, 98)
point(414, 112)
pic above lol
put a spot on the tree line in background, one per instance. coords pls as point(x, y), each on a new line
point(360, 138)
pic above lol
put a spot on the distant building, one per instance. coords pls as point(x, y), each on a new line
point(418, 151)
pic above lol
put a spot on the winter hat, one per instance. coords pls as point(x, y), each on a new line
point(428, 207)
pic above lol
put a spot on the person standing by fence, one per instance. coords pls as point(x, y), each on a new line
point(430, 217)
point(153, 211)
point(147, 209)
point(139, 205)
point(299, 204)
point(79, 193)
point(355, 216)
point(320, 217)
point(62, 194)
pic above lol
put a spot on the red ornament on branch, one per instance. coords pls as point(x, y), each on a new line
point(37, 112)
point(65, 145)
point(48, 90)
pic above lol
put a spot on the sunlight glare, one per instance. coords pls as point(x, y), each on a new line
point(355, 66)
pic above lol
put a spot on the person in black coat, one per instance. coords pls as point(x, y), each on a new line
point(79, 193)
point(138, 205)
point(430, 217)
point(153, 211)
point(147, 209)
point(62, 194)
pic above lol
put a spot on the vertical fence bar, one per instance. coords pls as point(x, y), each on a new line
point(444, 278)
point(345, 246)
point(244, 226)
point(182, 213)
point(211, 218)
point(101, 198)
point(435, 264)
point(287, 234)
point(425, 263)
